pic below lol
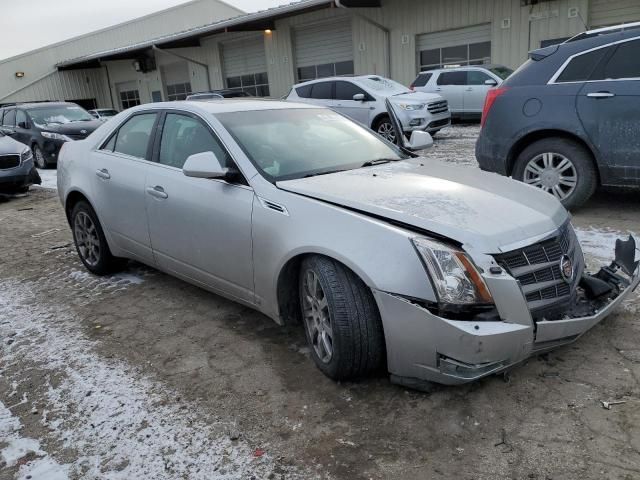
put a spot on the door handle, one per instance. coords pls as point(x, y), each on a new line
point(601, 95)
point(469, 89)
point(438, 89)
point(157, 192)
point(103, 173)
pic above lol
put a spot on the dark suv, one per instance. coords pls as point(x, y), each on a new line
point(568, 120)
point(44, 127)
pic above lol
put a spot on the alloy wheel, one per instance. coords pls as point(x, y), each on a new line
point(386, 130)
point(40, 161)
point(552, 172)
point(87, 240)
point(317, 319)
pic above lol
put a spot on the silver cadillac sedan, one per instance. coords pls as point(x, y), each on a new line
point(388, 260)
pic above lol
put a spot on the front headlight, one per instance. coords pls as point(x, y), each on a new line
point(25, 156)
point(455, 278)
point(411, 106)
point(56, 136)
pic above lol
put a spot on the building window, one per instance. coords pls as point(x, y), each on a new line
point(468, 54)
point(256, 84)
point(129, 98)
point(178, 91)
point(337, 69)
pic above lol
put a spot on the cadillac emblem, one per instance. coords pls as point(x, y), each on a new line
point(566, 268)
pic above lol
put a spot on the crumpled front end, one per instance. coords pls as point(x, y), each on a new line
point(543, 299)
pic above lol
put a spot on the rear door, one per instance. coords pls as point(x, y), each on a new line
point(451, 85)
point(120, 168)
point(609, 108)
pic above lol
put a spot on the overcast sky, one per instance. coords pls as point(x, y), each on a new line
point(30, 24)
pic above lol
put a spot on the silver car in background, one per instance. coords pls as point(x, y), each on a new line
point(17, 170)
point(433, 272)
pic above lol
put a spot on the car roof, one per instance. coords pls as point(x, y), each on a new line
point(44, 104)
point(225, 105)
point(485, 66)
point(333, 79)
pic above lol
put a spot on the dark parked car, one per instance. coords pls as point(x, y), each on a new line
point(45, 127)
point(218, 94)
point(17, 172)
point(568, 120)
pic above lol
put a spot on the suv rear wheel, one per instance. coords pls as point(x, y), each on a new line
point(558, 166)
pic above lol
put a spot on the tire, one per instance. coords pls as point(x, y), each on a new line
point(384, 128)
point(91, 243)
point(544, 164)
point(347, 306)
point(38, 157)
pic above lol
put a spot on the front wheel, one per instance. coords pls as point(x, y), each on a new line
point(91, 243)
point(384, 128)
point(561, 167)
point(341, 320)
point(38, 156)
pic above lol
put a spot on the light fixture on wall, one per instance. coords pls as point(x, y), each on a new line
point(19, 74)
point(136, 66)
point(267, 31)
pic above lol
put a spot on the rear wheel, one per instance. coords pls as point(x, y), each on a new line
point(561, 167)
point(91, 243)
point(341, 320)
point(384, 128)
point(38, 156)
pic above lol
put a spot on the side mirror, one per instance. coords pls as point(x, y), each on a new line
point(204, 165)
point(420, 140)
point(359, 97)
point(24, 125)
point(491, 82)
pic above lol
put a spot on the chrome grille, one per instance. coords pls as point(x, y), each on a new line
point(9, 161)
point(537, 269)
point(440, 106)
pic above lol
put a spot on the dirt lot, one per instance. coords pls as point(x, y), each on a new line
point(144, 376)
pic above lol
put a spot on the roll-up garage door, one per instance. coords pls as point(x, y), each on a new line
point(603, 13)
point(324, 50)
point(176, 80)
point(245, 65)
point(462, 46)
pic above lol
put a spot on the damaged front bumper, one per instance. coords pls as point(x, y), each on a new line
point(423, 347)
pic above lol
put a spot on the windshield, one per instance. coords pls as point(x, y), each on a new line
point(502, 72)
point(383, 85)
point(107, 113)
point(293, 143)
point(60, 114)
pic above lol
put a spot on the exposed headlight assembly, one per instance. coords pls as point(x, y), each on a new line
point(26, 155)
point(411, 106)
point(454, 277)
point(56, 136)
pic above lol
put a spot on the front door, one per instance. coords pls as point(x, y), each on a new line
point(609, 108)
point(200, 228)
point(359, 110)
point(119, 169)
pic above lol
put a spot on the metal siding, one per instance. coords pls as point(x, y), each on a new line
point(323, 43)
point(603, 13)
point(174, 73)
point(459, 36)
point(244, 56)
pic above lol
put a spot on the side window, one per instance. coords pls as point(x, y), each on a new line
point(183, 136)
point(9, 119)
point(304, 91)
point(322, 90)
point(452, 78)
point(422, 80)
point(110, 144)
point(133, 136)
point(346, 91)
point(581, 67)
point(475, 77)
point(625, 62)
point(21, 117)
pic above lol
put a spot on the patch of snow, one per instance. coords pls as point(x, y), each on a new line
point(49, 178)
point(121, 423)
point(598, 244)
point(41, 468)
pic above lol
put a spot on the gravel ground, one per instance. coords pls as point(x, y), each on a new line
point(141, 375)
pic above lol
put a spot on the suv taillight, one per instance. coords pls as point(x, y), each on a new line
point(412, 87)
point(491, 97)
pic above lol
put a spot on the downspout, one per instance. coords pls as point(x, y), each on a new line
point(181, 57)
point(387, 32)
point(106, 69)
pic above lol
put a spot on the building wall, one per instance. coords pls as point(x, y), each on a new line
point(612, 12)
point(39, 62)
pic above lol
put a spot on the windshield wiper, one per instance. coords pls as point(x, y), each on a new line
point(325, 173)
point(378, 161)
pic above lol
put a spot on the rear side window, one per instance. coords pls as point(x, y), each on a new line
point(304, 91)
point(9, 119)
point(581, 67)
point(625, 62)
point(452, 78)
point(322, 90)
point(422, 80)
point(133, 136)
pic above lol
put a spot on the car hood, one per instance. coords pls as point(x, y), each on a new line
point(73, 128)
point(8, 146)
point(482, 211)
